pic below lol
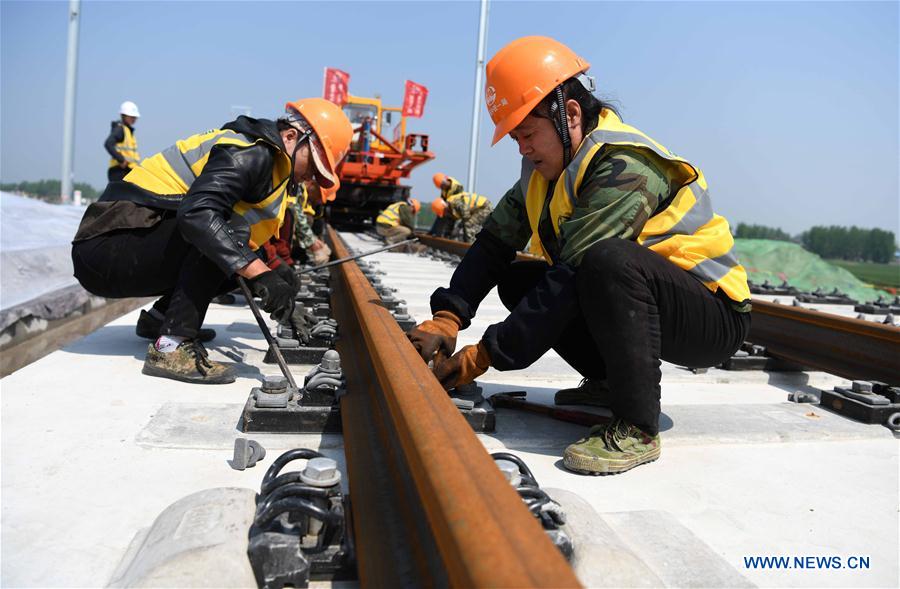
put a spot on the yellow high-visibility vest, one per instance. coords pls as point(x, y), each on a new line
point(170, 173)
point(391, 215)
point(686, 232)
point(471, 200)
point(127, 148)
point(455, 188)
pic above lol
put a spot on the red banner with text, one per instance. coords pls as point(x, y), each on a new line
point(336, 86)
point(414, 99)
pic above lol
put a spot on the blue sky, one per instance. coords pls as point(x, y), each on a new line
point(790, 108)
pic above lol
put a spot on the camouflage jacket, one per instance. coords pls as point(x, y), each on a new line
point(459, 209)
point(303, 233)
point(622, 187)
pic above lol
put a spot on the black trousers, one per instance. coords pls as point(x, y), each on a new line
point(155, 261)
point(636, 308)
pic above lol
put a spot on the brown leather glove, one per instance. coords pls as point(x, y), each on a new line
point(463, 367)
point(436, 336)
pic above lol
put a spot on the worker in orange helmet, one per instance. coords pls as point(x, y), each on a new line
point(462, 213)
point(636, 266)
point(466, 212)
point(397, 222)
point(190, 219)
point(447, 185)
point(307, 211)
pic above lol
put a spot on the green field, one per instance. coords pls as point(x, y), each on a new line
point(872, 273)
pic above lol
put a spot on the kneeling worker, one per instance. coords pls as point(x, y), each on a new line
point(637, 267)
point(468, 210)
point(188, 219)
point(398, 221)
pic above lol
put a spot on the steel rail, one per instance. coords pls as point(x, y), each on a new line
point(844, 346)
point(460, 247)
point(431, 508)
point(62, 332)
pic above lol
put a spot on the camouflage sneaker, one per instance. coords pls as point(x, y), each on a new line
point(148, 327)
point(590, 391)
point(188, 363)
point(612, 448)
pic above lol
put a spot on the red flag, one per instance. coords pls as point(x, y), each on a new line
point(336, 86)
point(414, 99)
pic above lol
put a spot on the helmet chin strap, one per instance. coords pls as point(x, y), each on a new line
point(561, 122)
point(293, 186)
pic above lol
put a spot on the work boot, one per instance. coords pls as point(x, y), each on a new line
point(612, 448)
point(225, 299)
point(188, 363)
point(590, 391)
point(148, 327)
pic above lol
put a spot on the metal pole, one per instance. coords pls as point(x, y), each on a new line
point(273, 345)
point(68, 174)
point(356, 257)
point(476, 101)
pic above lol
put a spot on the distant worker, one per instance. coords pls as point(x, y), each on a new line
point(468, 210)
point(187, 220)
point(398, 221)
point(311, 208)
point(447, 185)
point(121, 143)
point(637, 267)
point(443, 226)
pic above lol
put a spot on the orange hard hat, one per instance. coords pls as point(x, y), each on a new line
point(521, 74)
point(438, 179)
point(333, 132)
point(439, 206)
point(415, 204)
point(329, 194)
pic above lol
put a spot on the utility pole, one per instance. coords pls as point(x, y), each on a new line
point(476, 101)
point(68, 174)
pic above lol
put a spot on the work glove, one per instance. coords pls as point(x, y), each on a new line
point(320, 252)
point(276, 294)
point(435, 339)
point(302, 322)
point(463, 367)
point(286, 273)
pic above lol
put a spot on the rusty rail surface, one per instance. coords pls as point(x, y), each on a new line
point(430, 506)
point(847, 347)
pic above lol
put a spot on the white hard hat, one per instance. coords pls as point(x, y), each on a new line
point(129, 109)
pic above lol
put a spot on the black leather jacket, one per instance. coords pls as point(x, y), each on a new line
point(205, 213)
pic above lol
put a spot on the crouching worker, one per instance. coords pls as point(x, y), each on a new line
point(186, 221)
point(398, 221)
point(636, 265)
point(468, 210)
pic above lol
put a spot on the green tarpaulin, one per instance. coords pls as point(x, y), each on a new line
point(777, 261)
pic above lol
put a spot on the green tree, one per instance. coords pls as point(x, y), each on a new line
point(48, 190)
point(850, 243)
point(745, 231)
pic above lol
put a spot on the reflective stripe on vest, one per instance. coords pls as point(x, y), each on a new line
point(391, 215)
point(171, 173)
point(127, 148)
point(470, 200)
point(686, 232)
